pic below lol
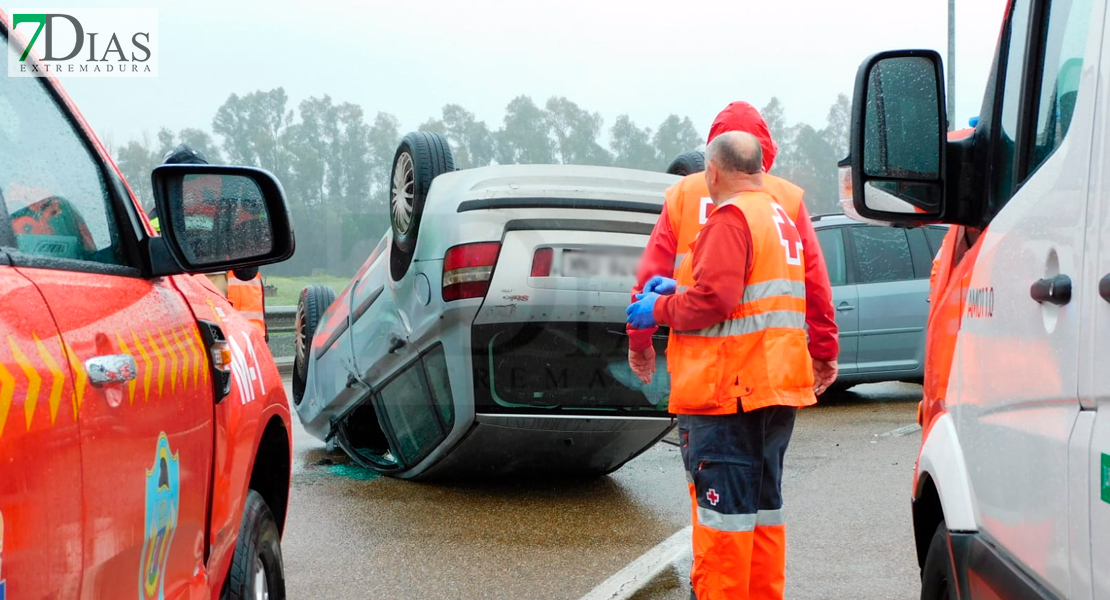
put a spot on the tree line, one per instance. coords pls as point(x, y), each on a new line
point(334, 161)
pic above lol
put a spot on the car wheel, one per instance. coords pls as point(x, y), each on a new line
point(938, 581)
point(835, 391)
point(315, 299)
point(421, 157)
point(687, 163)
point(257, 572)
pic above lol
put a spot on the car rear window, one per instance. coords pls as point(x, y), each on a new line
point(562, 367)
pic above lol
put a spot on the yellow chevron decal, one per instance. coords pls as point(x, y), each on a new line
point(161, 364)
point(219, 319)
point(173, 361)
point(7, 390)
point(57, 380)
point(134, 381)
point(203, 355)
point(80, 377)
point(184, 359)
point(191, 343)
point(34, 381)
point(146, 365)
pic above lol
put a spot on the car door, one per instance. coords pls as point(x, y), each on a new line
point(40, 445)
point(1016, 367)
point(845, 299)
point(893, 301)
point(1089, 455)
point(145, 413)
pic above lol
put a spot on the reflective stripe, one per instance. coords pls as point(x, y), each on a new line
point(707, 517)
point(767, 289)
point(769, 518)
point(689, 477)
point(775, 287)
point(678, 260)
point(253, 315)
point(752, 324)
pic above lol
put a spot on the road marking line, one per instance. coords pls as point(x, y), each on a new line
point(902, 431)
point(639, 573)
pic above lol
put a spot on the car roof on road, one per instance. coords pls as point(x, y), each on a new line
point(552, 181)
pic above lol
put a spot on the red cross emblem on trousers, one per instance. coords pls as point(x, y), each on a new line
point(712, 496)
point(788, 235)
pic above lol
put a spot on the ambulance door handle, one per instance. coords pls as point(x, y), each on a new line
point(845, 307)
point(1055, 290)
point(111, 369)
point(1104, 287)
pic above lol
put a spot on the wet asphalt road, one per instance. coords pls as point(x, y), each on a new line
point(353, 535)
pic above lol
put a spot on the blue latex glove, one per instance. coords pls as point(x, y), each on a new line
point(641, 314)
point(663, 286)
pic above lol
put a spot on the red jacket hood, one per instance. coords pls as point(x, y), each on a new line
point(741, 116)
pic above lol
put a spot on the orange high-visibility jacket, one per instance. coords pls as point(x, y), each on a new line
point(247, 298)
point(758, 356)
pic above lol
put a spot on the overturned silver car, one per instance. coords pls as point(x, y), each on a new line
point(485, 333)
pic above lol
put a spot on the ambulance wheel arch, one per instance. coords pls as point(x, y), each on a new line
point(941, 493)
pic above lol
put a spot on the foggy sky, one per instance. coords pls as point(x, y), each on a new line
point(644, 58)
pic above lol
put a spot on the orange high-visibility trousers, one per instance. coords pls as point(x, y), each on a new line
point(734, 472)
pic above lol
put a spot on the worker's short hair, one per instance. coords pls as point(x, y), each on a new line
point(736, 152)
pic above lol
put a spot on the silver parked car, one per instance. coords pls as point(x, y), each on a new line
point(486, 332)
point(880, 279)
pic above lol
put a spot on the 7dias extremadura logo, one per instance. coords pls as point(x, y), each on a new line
point(102, 42)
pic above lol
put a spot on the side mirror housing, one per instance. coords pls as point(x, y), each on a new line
point(216, 218)
point(898, 138)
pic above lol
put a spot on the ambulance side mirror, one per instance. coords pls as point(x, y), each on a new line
point(216, 218)
point(898, 138)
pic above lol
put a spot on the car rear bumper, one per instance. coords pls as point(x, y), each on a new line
point(498, 445)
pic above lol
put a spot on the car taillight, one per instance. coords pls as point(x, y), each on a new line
point(467, 270)
point(541, 262)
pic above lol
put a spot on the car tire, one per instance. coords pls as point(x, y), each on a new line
point(938, 580)
point(257, 559)
point(835, 392)
point(420, 158)
point(687, 163)
point(314, 300)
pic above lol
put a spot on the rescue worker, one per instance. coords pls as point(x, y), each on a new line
point(740, 368)
point(686, 209)
point(243, 288)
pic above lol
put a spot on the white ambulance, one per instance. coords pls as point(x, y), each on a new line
point(1011, 494)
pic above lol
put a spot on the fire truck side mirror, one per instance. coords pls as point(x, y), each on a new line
point(216, 218)
point(898, 138)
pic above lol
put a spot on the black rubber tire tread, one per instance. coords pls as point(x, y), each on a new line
point(258, 536)
point(687, 163)
point(836, 389)
point(431, 157)
point(316, 299)
point(938, 581)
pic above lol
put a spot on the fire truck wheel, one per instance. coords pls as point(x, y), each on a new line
point(256, 568)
